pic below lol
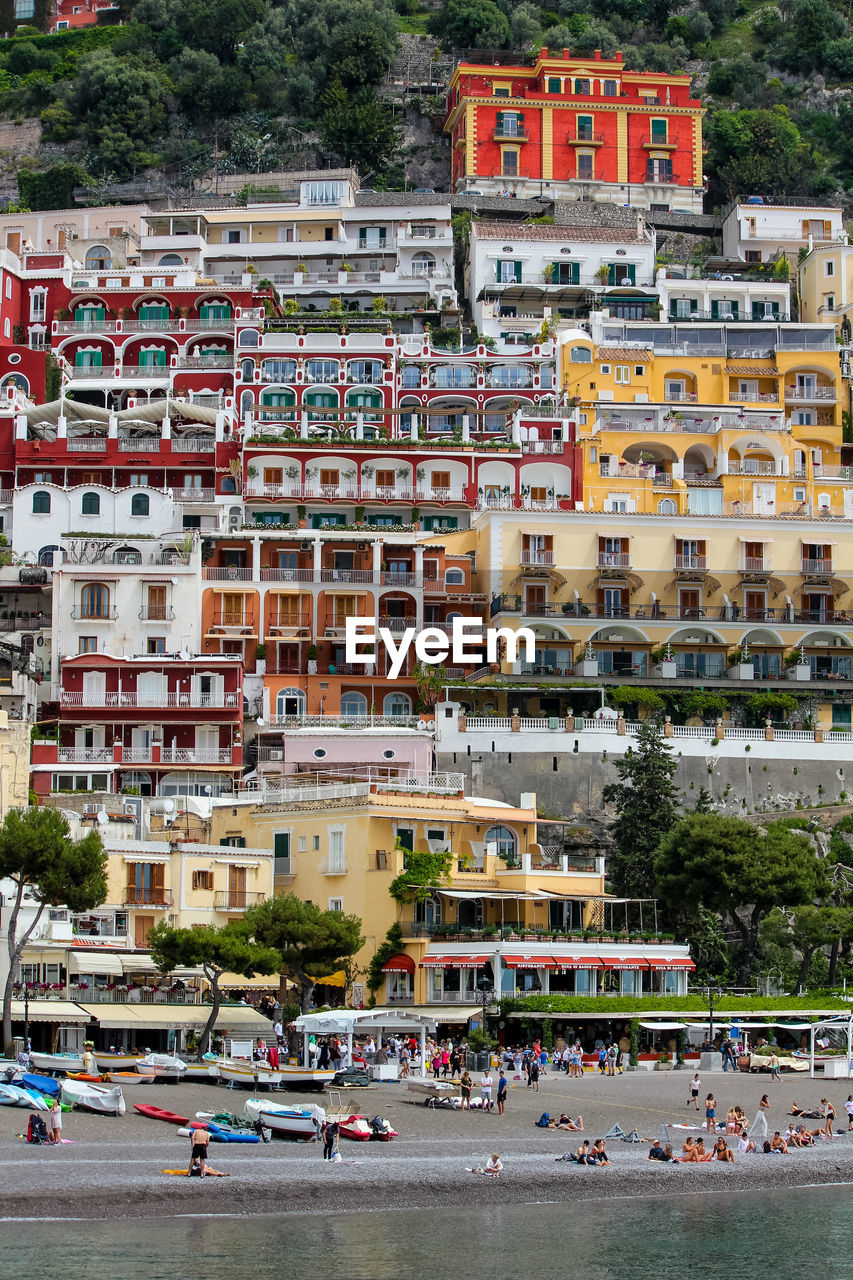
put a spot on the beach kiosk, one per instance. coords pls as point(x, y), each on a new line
point(353, 1022)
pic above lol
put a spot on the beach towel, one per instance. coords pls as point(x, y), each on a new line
point(182, 1173)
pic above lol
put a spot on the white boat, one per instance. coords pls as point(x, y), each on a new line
point(117, 1061)
point(163, 1066)
point(10, 1070)
point(11, 1095)
point(291, 1122)
point(55, 1062)
point(201, 1071)
point(434, 1088)
point(247, 1074)
point(107, 1099)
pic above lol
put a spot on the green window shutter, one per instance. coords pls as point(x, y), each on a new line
point(611, 273)
point(500, 122)
point(715, 310)
point(631, 273)
point(517, 269)
point(575, 272)
point(281, 852)
point(429, 521)
point(735, 306)
point(756, 314)
point(775, 310)
point(519, 116)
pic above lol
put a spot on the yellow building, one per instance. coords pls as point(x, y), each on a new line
point(14, 764)
point(825, 278)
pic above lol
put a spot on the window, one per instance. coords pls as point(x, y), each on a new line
point(555, 84)
point(509, 272)
point(290, 702)
point(454, 578)
point(303, 844)
point(501, 91)
point(582, 86)
point(233, 237)
point(315, 843)
point(156, 644)
point(829, 268)
point(321, 371)
point(585, 160)
point(281, 853)
point(90, 505)
point(659, 170)
point(87, 644)
point(622, 373)
point(202, 879)
point(41, 504)
point(435, 834)
point(397, 704)
point(371, 238)
point(95, 600)
point(611, 88)
point(273, 371)
point(156, 603)
point(140, 504)
point(509, 162)
point(24, 9)
point(584, 128)
point(510, 124)
point(753, 255)
point(658, 131)
point(504, 841)
point(37, 304)
point(353, 704)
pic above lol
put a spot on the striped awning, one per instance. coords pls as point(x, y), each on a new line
point(671, 962)
point(530, 962)
point(624, 962)
point(399, 964)
point(455, 962)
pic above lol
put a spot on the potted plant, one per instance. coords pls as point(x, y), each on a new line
point(300, 516)
point(260, 659)
point(312, 660)
point(359, 517)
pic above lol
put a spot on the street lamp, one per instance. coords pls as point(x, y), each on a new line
point(486, 991)
point(26, 1018)
point(710, 993)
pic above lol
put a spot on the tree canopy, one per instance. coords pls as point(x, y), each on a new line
point(311, 943)
point(38, 855)
point(645, 799)
point(217, 950)
point(739, 870)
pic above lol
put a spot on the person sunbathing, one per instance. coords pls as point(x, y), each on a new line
point(806, 1136)
point(778, 1144)
point(657, 1152)
point(599, 1153)
point(690, 1153)
point(796, 1110)
point(704, 1156)
point(583, 1154)
point(566, 1122)
point(723, 1152)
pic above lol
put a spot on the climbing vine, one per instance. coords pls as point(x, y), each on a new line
point(422, 874)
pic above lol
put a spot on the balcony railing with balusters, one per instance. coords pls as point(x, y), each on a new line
point(537, 558)
point(236, 899)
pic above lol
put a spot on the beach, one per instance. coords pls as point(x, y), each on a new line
point(113, 1167)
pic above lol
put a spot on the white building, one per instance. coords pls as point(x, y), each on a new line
point(721, 297)
point(755, 231)
point(520, 276)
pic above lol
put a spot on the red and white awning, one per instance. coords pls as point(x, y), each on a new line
point(530, 962)
point(455, 962)
point(624, 962)
point(671, 962)
point(577, 962)
point(399, 964)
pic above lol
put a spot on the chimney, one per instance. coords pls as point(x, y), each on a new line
point(598, 55)
point(619, 56)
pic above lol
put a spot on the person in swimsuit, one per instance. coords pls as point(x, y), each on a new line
point(200, 1139)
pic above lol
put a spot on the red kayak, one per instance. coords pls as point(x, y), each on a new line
point(158, 1113)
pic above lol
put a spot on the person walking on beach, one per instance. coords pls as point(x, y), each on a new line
point(848, 1107)
point(502, 1092)
point(54, 1122)
point(465, 1087)
point(331, 1131)
point(775, 1073)
point(695, 1085)
point(829, 1116)
point(486, 1090)
point(200, 1139)
point(534, 1075)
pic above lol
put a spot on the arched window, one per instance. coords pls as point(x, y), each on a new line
point(581, 355)
point(98, 258)
point(18, 381)
point(290, 702)
point(247, 402)
point(353, 704)
point(667, 507)
point(90, 504)
point(127, 555)
point(95, 600)
point(247, 370)
point(46, 555)
point(171, 260)
point(423, 264)
point(41, 503)
point(454, 578)
point(140, 504)
point(505, 843)
point(249, 338)
point(397, 704)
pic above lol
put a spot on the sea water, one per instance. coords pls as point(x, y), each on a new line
point(704, 1237)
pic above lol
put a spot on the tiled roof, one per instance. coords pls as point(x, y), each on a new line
point(751, 370)
point(639, 355)
point(538, 231)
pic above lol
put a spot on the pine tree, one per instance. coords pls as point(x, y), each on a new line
point(645, 799)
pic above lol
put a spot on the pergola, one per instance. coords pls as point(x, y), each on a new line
point(352, 1022)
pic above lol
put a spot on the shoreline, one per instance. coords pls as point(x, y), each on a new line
point(112, 1169)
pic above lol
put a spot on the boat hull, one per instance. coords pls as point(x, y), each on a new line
point(11, 1095)
point(45, 1085)
point(162, 1066)
point(104, 1099)
point(58, 1062)
point(289, 1122)
point(158, 1113)
point(125, 1077)
point(117, 1061)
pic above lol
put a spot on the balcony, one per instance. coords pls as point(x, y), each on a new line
point(195, 755)
point(756, 564)
point(193, 444)
point(234, 621)
point(89, 372)
point(614, 560)
point(85, 755)
point(754, 397)
point(752, 467)
point(152, 701)
point(817, 567)
point(585, 138)
point(826, 395)
point(236, 900)
point(694, 563)
point(396, 623)
point(193, 495)
point(823, 472)
point(147, 372)
point(537, 558)
point(157, 613)
point(653, 142)
point(139, 444)
point(108, 615)
point(139, 896)
point(226, 573)
point(205, 362)
point(503, 134)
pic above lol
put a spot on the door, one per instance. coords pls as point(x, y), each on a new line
point(613, 602)
point(237, 888)
point(94, 688)
point(690, 604)
point(764, 499)
point(535, 599)
point(156, 603)
point(142, 926)
point(755, 605)
point(150, 689)
point(207, 744)
point(232, 609)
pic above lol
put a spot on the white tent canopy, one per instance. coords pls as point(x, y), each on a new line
point(352, 1022)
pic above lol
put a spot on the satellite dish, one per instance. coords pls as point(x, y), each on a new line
point(184, 656)
point(208, 789)
point(260, 722)
point(103, 817)
point(168, 806)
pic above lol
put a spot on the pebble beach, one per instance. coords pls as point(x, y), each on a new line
point(113, 1167)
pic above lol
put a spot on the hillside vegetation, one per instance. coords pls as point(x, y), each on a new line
point(247, 84)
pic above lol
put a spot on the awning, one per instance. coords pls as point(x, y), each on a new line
point(664, 1026)
point(88, 962)
point(337, 979)
point(670, 962)
point(138, 964)
point(399, 964)
point(752, 538)
point(171, 1017)
point(578, 962)
point(49, 1011)
point(530, 962)
point(623, 962)
point(455, 962)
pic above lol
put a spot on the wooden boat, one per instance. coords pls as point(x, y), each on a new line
point(202, 1072)
point(125, 1077)
point(45, 1085)
point(290, 1122)
point(159, 1113)
point(249, 1075)
point(116, 1061)
point(59, 1062)
point(163, 1066)
point(106, 1099)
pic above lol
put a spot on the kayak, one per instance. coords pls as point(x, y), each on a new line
point(81, 1075)
point(224, 1133)
point(159, 1113)
point(41, 1084)
point(126, 1077)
